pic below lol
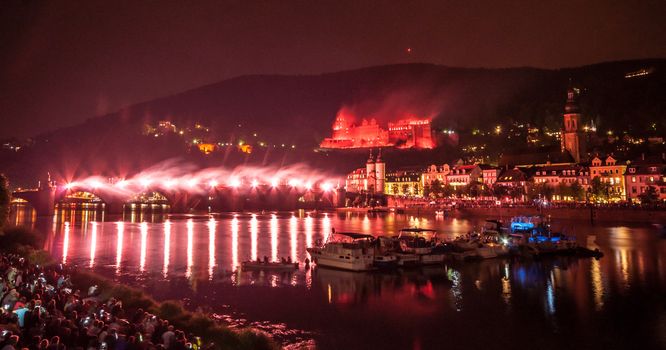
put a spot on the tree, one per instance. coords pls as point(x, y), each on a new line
point(395, 188)
point(474, 189)
point(540, 191)
point(577, 191)
point(436, 188)
point(427, 192)
point(405, 189)
point(564, 191)
point(650, 196)
point(5, 200)
point(600, 190)
point(447, 190)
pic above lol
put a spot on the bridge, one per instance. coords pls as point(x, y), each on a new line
point(236, 195)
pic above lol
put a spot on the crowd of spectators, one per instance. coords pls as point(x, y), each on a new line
point(41, 310)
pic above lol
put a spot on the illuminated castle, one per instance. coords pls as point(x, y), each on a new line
point(406, 133)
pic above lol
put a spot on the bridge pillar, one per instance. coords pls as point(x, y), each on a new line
point(339, 198)
point(114, 207)
point(44, 201)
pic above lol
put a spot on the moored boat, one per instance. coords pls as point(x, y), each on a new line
point(346, 251)
point(391, 246)
point(417, 240)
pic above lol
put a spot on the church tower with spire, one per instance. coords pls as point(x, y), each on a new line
point(572, 139)
point(380, 171)
point(370, 174)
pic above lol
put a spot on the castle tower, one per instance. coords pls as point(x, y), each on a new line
point(380, 171)
point(370, 174)
point(572, 140)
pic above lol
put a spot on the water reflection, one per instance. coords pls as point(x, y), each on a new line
point(293, 237)
point(120, 227)
point(167, 248)
point(234, 243)
point(597, 284)
point(65, 243)
point(144, 246)
point(93, 244)
point(274, 238)
point(309, 231)
point(211, 247)
point(190, 244)
point(254, 232)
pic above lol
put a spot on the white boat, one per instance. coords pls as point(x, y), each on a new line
point(391, 246)
point(417, 240)
point(385, 261)
point(475, 247)
point(346, 251)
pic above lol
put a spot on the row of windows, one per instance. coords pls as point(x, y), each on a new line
point(643, 179)
point(557, 180)
point(594, 172)
point(634, 189)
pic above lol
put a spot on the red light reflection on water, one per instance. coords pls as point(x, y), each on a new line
point(274, 238)
point(309, 230)
point(65, 243)
point(144, 245)
point(93, 244)
point(167, 248)
point(120, 227)
point(293, 237)
point(234, 243)
point(254, 232)
point(211, 247)
point(190, 243)
point(326, 226)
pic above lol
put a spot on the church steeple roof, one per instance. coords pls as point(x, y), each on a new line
point(572, 100)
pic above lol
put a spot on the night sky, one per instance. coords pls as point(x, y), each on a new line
point(64, 61)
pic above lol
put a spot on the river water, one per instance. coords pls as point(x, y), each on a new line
point(616, 302)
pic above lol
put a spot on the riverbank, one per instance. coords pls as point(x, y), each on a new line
point(588, 214)
point(202, 331)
